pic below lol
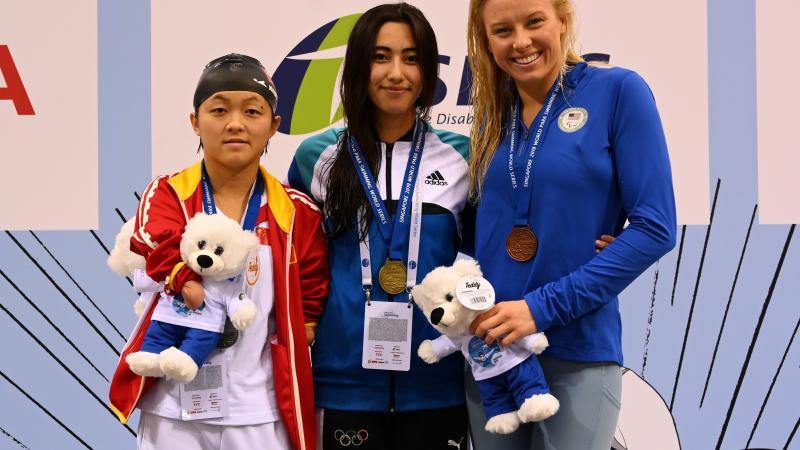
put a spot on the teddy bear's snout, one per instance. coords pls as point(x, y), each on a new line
point(205, 261)
point(436, 315)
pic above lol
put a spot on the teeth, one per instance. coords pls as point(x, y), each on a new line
point(528, 59)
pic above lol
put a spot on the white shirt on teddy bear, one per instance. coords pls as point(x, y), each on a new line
point(486, 361)
point(210, 316)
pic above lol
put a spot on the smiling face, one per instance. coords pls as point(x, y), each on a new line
point(524, 38)
point(395, 79)
point(234, 127)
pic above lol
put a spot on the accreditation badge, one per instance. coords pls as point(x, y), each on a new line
point(572, 119)
point(387, 336)
point(205, 397)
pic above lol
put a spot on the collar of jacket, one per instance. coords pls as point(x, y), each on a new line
point(187, 181)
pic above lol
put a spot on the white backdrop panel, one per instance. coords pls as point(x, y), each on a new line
point(638, 35)
point(48, 178)
point(778, 90)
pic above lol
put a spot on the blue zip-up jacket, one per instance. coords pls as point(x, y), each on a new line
point(584, 183)
point(339, 380)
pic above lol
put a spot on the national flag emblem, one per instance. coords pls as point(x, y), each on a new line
point(572, 119)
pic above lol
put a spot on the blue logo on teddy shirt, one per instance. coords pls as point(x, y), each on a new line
point(485, 355)
point(182, 309)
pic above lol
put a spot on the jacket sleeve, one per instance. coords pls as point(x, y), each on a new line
point(312, 257)
point(157, 236)
point(645, 182)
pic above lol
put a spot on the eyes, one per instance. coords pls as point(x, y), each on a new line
point(217, 251)
point(449, 297)
point(505, 30)
point(252, 112)
point(382, 56)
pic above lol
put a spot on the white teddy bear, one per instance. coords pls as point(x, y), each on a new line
point(510, 380)
point(125, 263)
point(178, 339)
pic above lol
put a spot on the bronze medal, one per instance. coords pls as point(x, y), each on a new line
point(392, 276)
point(521, 243)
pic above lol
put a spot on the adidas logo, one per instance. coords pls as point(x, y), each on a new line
point(435, 179)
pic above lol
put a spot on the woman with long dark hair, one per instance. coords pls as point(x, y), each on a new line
point(392, 190)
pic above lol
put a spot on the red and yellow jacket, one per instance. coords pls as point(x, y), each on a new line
point(301, 278)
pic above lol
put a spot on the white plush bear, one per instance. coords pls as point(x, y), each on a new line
point(510, 379)
point(178, 339)
point(125, 263)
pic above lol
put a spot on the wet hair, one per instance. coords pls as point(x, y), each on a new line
point(345, 197)
point(491, 90)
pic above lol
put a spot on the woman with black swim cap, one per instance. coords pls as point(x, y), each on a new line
point(264, 391)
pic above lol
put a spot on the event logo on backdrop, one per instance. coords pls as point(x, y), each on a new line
point(15, 88)
point(308, 81)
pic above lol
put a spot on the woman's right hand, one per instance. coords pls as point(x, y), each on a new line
point(192, 293)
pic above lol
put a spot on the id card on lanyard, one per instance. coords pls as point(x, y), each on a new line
point(204, 397)
point(387, 325)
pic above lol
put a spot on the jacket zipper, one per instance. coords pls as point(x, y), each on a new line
point(390, 297)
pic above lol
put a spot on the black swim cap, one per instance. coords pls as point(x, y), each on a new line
point(235, 72)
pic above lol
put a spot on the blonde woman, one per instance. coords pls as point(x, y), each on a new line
point(561, 152)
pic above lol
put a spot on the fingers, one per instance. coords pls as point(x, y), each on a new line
point(603, 242)
point(495, 333)
point(511, 338)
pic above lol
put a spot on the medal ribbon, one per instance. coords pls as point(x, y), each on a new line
point(522, 196)
point(395, 233)
point(253, 205)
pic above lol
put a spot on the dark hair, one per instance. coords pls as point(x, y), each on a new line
point(345, 196)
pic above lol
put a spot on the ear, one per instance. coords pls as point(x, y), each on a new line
point(467, 267)
point(195, 123)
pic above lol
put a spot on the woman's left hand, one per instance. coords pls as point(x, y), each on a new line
point(510, 318)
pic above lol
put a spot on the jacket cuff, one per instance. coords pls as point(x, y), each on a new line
point(541, 315)
point(180, 274)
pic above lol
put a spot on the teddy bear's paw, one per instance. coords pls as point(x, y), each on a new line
point(426, 352)
point(244, 316)
point(144, 364)
point(503, 423)
point(139, 307)
point(538, 408)
point(177, 365)
point(540, 344)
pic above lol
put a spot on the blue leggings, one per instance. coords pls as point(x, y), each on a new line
point(589, 394)
point(198, 344)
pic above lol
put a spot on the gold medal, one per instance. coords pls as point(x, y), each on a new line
point(392, 276)
point(521, 243)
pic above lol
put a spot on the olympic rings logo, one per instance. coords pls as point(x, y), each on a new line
point(350, 437)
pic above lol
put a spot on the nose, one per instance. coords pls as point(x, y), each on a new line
point(436, 315)
point(396, 69)
point(521, 41)
point(235, 123)
point(205, 261)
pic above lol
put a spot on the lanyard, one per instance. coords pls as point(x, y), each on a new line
point(395, 233)
point(253, 205)
point(413, 249)
point(522, 196)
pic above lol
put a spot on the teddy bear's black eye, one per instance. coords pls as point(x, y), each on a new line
point(218, 251)
point(201, 245)
point(449, 297)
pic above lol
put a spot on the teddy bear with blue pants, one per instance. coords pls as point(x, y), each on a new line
point(178, 339)
point(510, 379)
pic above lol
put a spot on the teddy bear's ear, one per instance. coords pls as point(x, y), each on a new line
point(467, 267)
